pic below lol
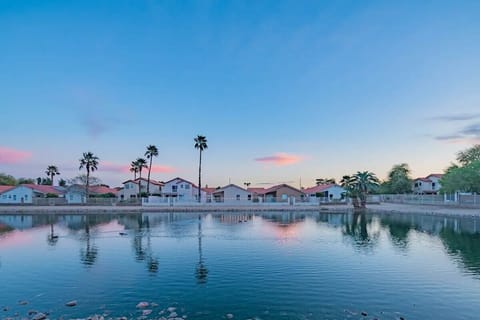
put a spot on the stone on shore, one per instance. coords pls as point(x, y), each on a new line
point(40, 316)
point(142, 305)
point(72, 303)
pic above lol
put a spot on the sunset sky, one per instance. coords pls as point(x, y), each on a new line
point(282, 90)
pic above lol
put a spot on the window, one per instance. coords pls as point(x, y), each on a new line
point(127, 186)
point(284, 196)
point(14, 197)
point(249, 197)
point(187, 186)
point(26, 196)
point(71, 197)
point(238, 197)
point(174, 188)
point(433, 185)
point(181, 186)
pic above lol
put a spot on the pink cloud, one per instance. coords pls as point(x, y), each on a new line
point(120, 168)
point(12, 156)
point(281, 159)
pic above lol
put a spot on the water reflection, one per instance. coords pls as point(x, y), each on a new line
point(201, 271)
point(459, 235)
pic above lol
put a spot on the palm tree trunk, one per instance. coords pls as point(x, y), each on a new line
point(86, 184)
point(148, 179)
point(200, 178)
point(140, 184)
point(51, 178)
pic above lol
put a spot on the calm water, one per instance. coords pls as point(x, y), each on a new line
point(262, 266)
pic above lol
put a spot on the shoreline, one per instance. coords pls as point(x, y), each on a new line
point(373, 208)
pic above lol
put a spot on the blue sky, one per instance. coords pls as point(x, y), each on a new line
point(314, 88)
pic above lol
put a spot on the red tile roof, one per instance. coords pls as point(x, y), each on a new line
point(436, 175)
point(6, 188)
point(319, 188)
point(275, 188)
point(256, 190)
point(102, 190)
point(42, 188)
point(209, 190)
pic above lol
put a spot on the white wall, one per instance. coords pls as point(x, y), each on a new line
point(19, 194)
point(74, 197)
point(230, 195)
point(183, 190)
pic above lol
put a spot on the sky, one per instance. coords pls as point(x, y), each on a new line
point(284, 91)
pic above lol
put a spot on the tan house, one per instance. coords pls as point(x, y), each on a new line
point(282, 193)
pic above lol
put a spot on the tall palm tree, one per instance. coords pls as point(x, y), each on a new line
point(152, 151)
point(51, 172)
point(141, 164)
point(348, 183)
point(365, 182)
point(90, 163)
point(134, 169)
point(200, 144)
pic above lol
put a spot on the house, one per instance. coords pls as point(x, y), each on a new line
point(428, 185)
point(27, 193)
point(182, 190)
point(231, 194)
point(76, 193)
point(131, 188)
point(325, 193)
point(282, 193)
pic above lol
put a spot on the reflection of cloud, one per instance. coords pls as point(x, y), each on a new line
point(15, 238)
point(12, 156)
point(457, 117)
point(280, 159)
point(120, 168)
point(470, 133)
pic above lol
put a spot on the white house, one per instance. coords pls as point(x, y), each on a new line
point(325, 193)
point(231, 194)
point(131, 188)
point(76, 193)
point(428, 185)
point(26, 193)
point(182, 190)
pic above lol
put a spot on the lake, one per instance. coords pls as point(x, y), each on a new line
point(240, 266)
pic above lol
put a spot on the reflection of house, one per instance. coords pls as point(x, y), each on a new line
point(181, 189)
point(26, 193)
point(131, 188)
point(281, 193)
point(428, 185)
point(231, 194)
point(76, 193)
point(325, 193)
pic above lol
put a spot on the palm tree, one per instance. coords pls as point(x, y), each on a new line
point(51, 172)
point(348, 183)
point(90, 163)
point(134, 169)
point(200, 144)
point(152, 151)
point(365, 182)
point(141, 164)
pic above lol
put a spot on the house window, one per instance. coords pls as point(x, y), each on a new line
point(181, 186)
point(174, 188)
point(249, 197)
point(238, 197)
point(14, 197)
point(71, 197)
point(187, 186)
point(433, 185)
point(284, 196)
point(26, 196)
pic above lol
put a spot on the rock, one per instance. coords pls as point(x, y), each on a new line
point(153, 304)
point(364, 314)
point(32, 312)
point(229, 316)
point(146, 312)
point(22, 302)
point(172, 315)
point(402, 318)
point(142, 304)
point(171, 309)
point(123, 318)
point(39, 316)
point(122, 233)
point(5, 308)
point(72, 303)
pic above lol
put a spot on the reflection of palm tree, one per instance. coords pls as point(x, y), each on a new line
point(52, 238)
point(398, 231)
point(463, 245)
point(88, 256)
point(201, 270)
point(358, 231)
point(137, 240)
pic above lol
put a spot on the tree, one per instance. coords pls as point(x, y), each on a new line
point(152, 151)
point(90, 162)
point(44, 181)
point(62, 183)
point(134, 169)
point(7, 180)
point(462, 179)
point(25, 181)
point(200, 144)
point(364, 182)
point(321, 181)
point(469, 155)
point(81, 179)
point(348, 184)
point(141, 164)
point(51, 172)
point(399, 180)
